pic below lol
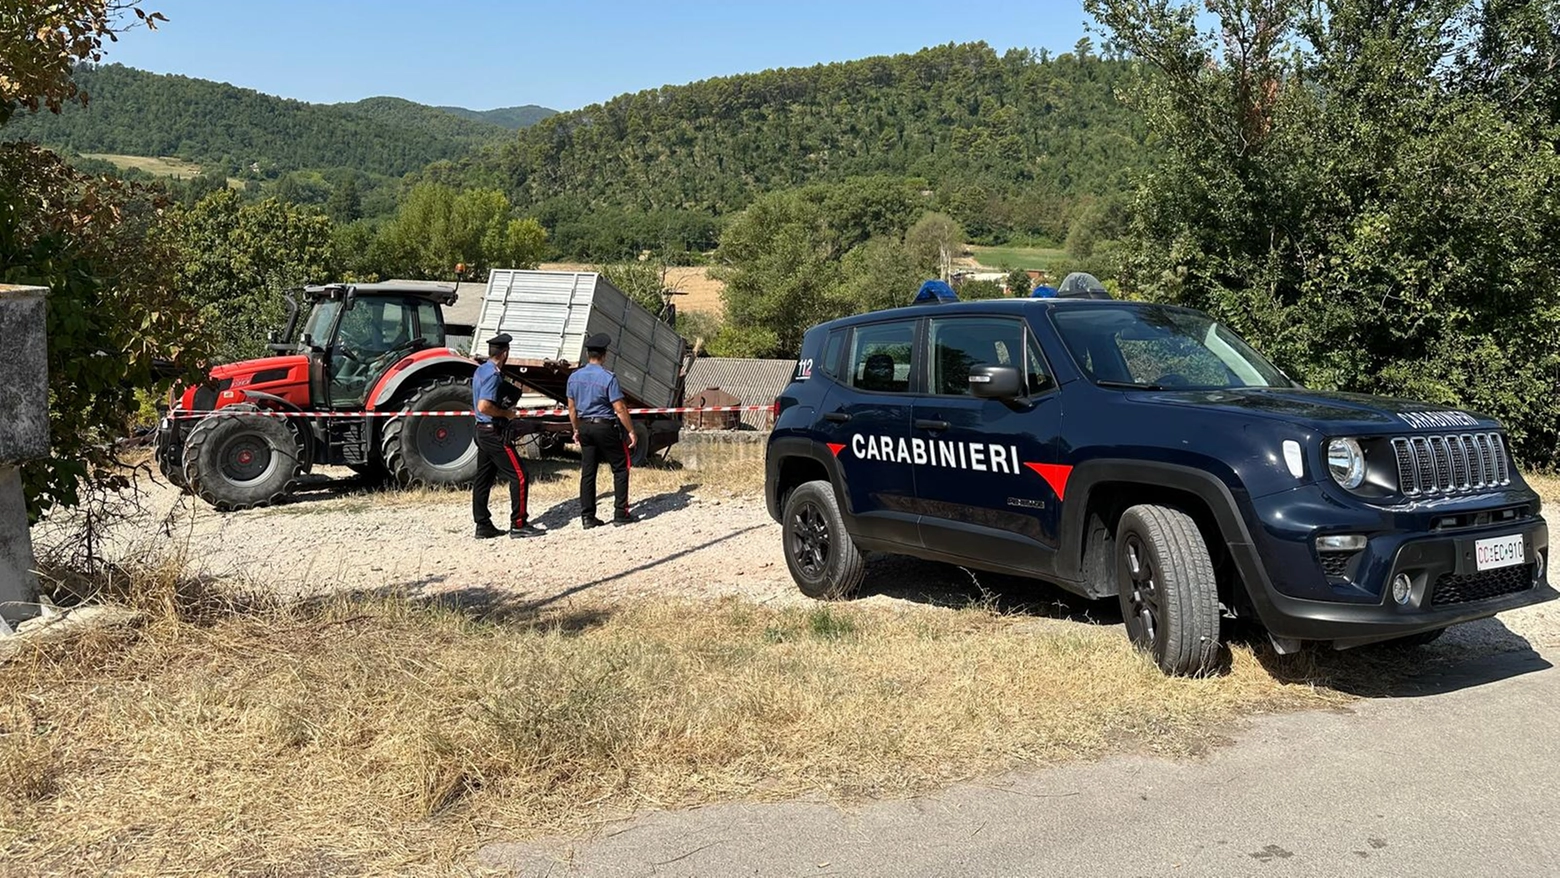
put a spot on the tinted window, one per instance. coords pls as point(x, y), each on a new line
point(832, 348)
point(317, 327)
point(430, 324)
point(880, 357)
point(959, 345)
point(1037, 375)
point(376, 325)
point(1157, 346)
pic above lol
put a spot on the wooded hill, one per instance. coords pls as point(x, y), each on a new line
point(227, 128)
point(1012, 144)
point(513, 118)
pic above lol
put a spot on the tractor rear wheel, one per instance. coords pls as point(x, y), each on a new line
point(433, 449)
point(236, 459)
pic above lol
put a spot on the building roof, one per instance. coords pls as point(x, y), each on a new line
point(467, 309)
point(755, 382)
point(752, 382)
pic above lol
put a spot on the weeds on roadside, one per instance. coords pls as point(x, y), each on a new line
point(224, 733)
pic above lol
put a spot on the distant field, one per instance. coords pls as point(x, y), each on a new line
point(161, 166)
point(700, 291)
point(1016, 257)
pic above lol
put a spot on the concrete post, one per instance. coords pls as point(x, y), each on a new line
point(24, 435)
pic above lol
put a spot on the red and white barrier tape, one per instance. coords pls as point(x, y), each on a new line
point(524, 413)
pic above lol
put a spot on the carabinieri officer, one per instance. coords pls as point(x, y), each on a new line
point(496, 457)
point(600, 419)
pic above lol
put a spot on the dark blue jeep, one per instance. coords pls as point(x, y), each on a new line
point(1144, 451)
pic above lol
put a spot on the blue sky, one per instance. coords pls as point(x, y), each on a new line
point(487, 53)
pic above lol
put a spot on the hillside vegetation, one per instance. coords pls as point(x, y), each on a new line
point(513, 118)
point(1011, 144)
point(227, 129)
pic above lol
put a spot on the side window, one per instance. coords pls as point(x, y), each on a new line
point(880, 357)
point(395, 325)
point(430, 324)
point(829, 364)
point(960, 344)
point(1037, 375)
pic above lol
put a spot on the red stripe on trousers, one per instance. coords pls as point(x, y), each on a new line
point(520, 477)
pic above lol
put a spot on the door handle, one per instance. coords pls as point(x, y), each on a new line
point(925, 424)
point(837, 417)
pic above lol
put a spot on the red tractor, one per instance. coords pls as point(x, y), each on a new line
point(243, 438)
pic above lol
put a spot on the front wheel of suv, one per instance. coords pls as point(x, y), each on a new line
point(1169, 595)
point(823, 558)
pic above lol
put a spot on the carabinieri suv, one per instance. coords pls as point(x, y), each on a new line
point(1145, 452)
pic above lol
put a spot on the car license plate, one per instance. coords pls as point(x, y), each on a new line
point(1499, 552)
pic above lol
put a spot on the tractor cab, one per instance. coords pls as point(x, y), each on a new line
point(353, 334)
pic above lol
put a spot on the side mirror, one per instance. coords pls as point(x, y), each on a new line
point(996, 382)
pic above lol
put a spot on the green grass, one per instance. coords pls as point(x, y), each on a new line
point(1009, 258)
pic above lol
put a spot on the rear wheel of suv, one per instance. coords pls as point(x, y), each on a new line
point(823, 558)
point(1169, 595)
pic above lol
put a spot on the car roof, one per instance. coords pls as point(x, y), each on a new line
point(1016, 307)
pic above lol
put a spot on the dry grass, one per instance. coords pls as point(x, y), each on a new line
point(1548, 487)
point(161, 166)
point(700, 292)
point(375, 736)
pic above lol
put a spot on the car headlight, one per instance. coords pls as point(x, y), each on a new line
point(1346, 462)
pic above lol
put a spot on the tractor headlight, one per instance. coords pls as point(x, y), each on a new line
point(1346, 462)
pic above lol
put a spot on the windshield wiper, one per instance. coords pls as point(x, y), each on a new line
point(1131, 385)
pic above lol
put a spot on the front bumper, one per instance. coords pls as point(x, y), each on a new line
point(1447, 588)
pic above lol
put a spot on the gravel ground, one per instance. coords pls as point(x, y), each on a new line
point(695, 541)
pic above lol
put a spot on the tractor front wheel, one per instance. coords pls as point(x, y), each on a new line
point(240, 459)
point(169, 454)
point(433, 449)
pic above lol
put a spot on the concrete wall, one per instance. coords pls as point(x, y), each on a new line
point(24, 435)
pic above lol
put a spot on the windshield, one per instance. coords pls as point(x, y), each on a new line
point(317, 327)
point(1158, 347)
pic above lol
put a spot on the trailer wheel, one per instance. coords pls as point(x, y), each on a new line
point(433, 449)
point(235, 459)
point(640, 453)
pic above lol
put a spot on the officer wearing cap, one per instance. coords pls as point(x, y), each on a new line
point(496, 457)
point(603, 432)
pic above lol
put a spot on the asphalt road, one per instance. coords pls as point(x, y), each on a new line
point(1458, 776)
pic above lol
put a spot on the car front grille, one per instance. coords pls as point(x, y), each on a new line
point(1456, 464)
point(1481, 586)
point(1337, 563)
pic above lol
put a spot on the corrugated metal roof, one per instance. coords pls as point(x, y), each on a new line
point(753, 382)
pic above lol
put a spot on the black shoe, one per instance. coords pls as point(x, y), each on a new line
point(488, 532)
point(526, 530)
point(624, 518)
point(589, 521)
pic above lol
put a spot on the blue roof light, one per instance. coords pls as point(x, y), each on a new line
point(1042, 292)
point(935, 291)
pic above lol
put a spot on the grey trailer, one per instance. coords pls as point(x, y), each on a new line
point(549, 314)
